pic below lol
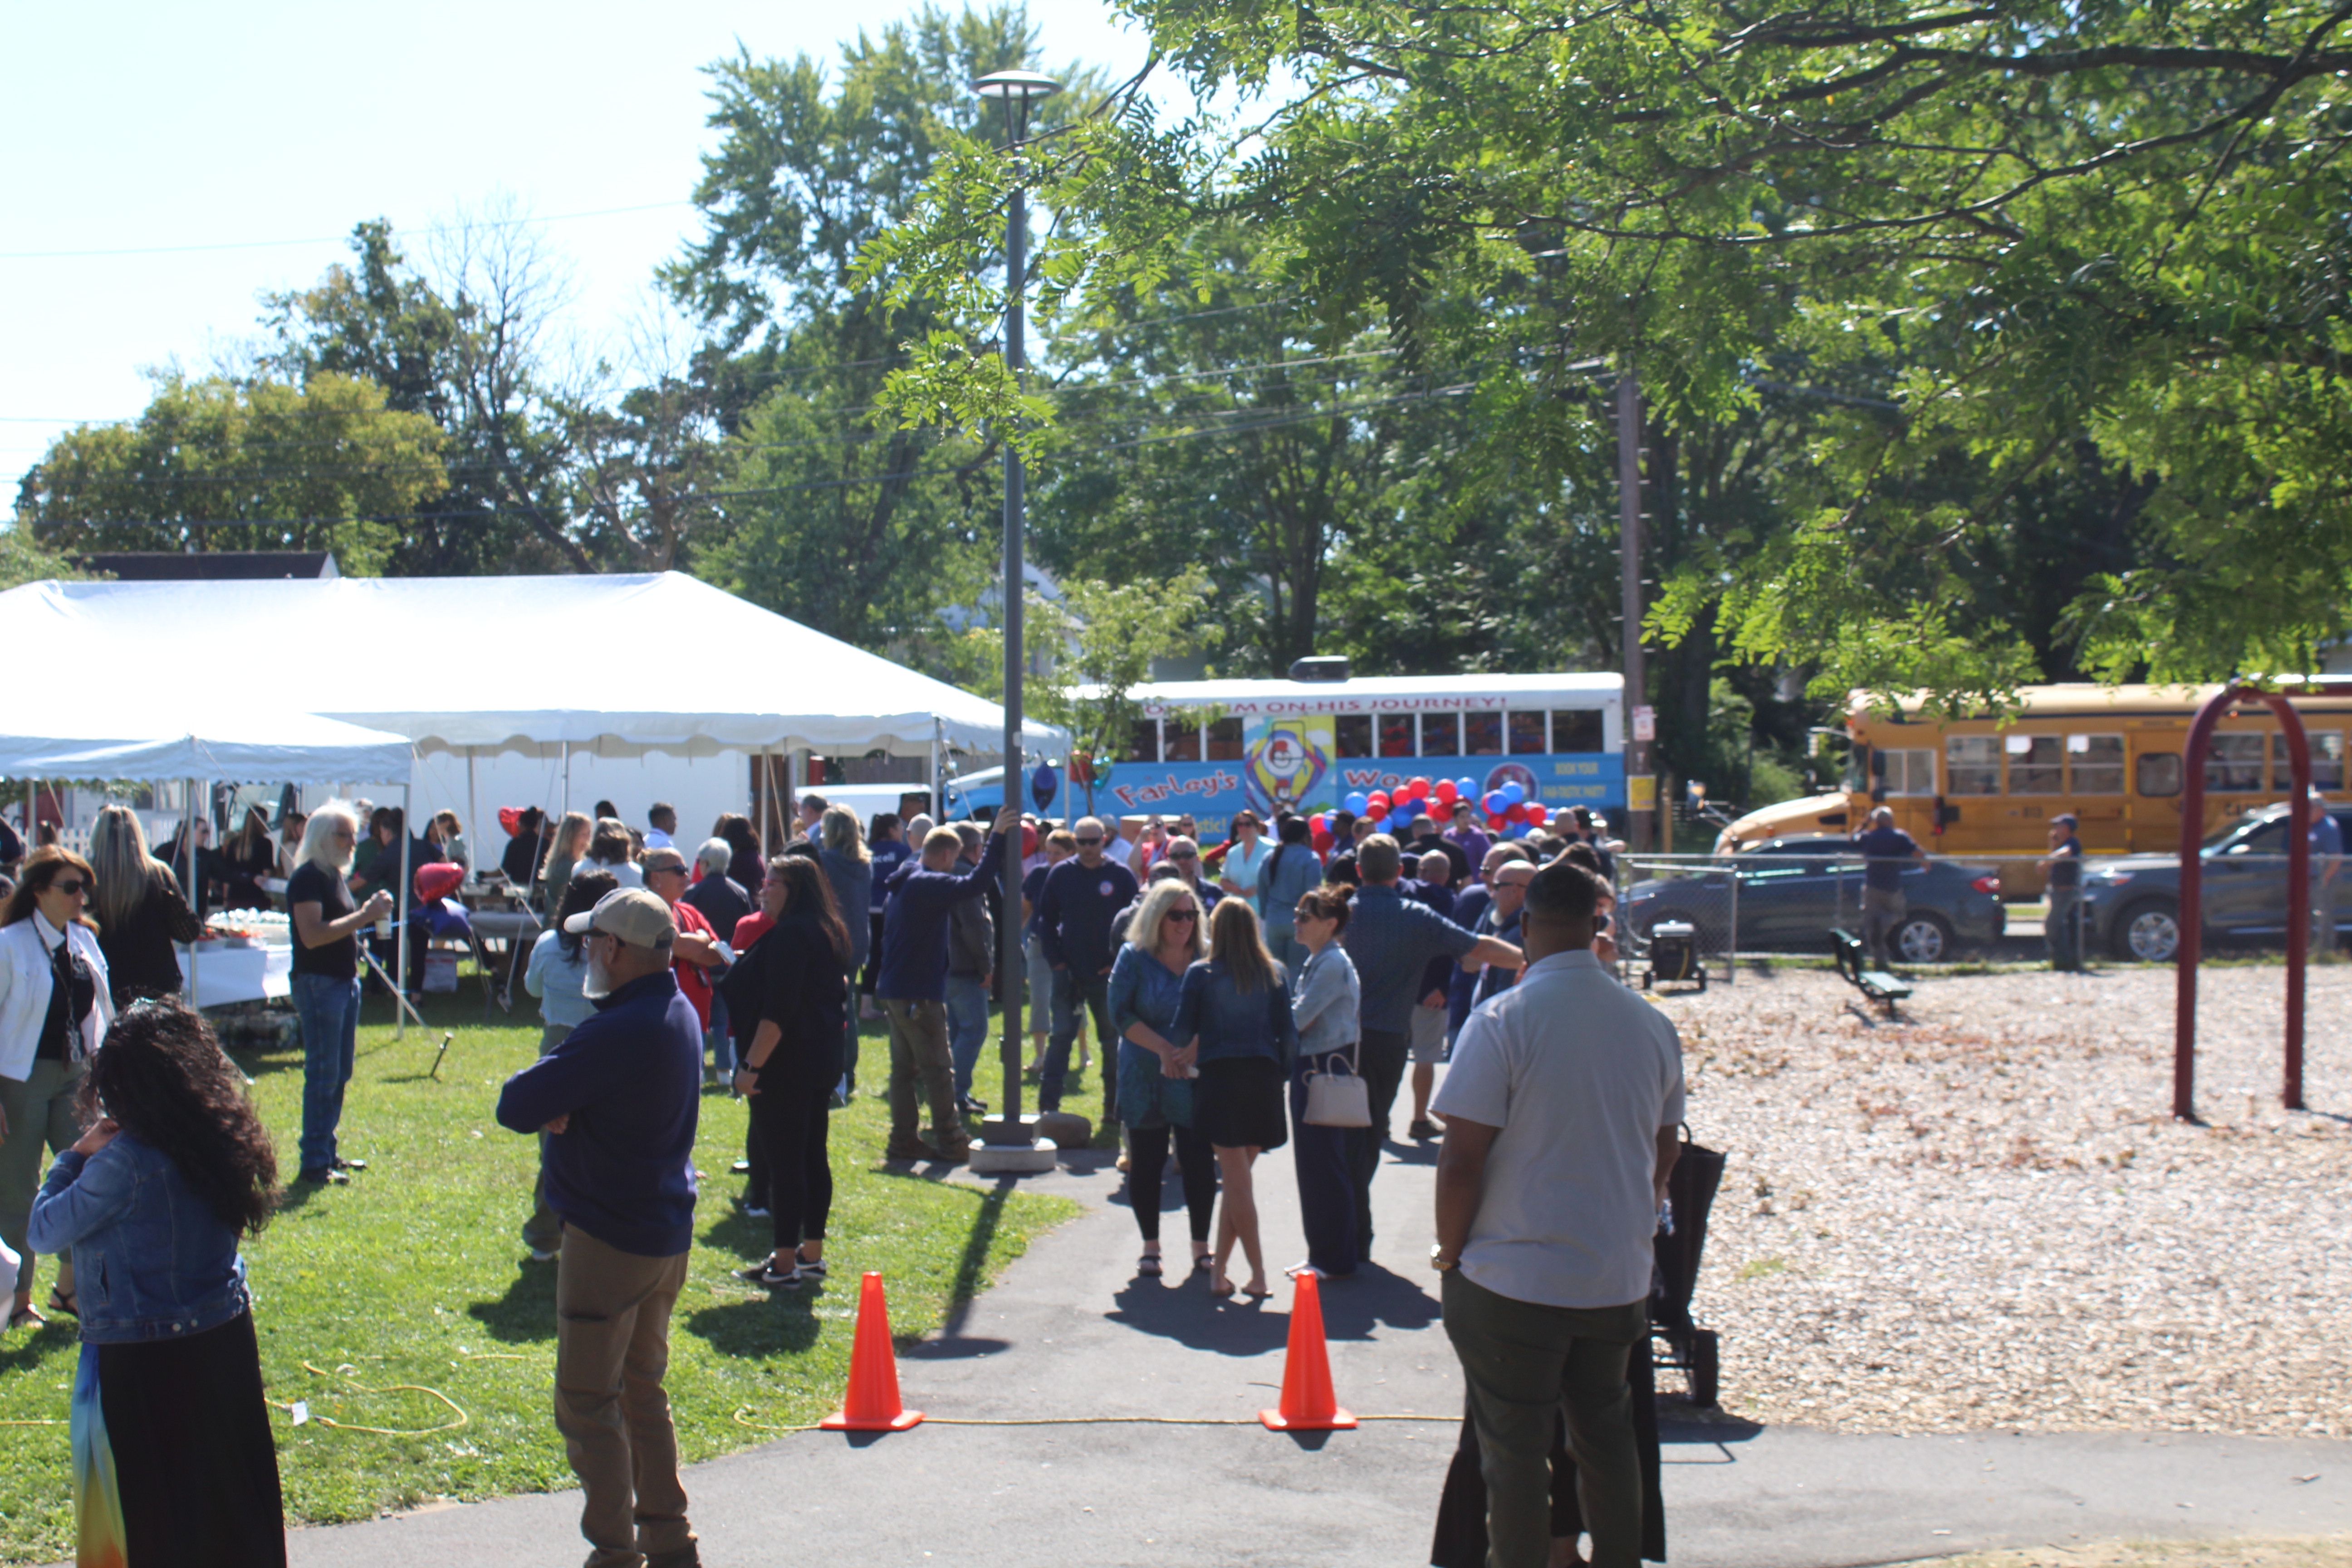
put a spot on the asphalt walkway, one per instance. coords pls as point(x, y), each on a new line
point(1072, 1332)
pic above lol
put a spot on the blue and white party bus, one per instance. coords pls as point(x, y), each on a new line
point(1308, 745)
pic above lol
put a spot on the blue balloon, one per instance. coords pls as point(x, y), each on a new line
point(1356, 803)
point(1514, 794)
point(1496, 803)
point(1466, 788)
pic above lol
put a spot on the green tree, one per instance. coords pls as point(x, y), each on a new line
point(839, 513)
point(213, 464)
point(1985, 236)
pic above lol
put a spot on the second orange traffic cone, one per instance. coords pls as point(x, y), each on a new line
point(871, 1403)
point(1308, 1402)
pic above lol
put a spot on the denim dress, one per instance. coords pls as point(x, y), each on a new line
point(1144, 991)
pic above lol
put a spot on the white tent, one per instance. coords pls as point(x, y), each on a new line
point(123, 731)
point(617, 666)
point(122, 735)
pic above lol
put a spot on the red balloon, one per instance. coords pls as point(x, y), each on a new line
point(1321, 839)
point(1494, 824)
point(1419, 787)
point(1446, 793)
point(1378, 811)
point(1515, 814)
point(1378, 797)
point(1538, 814)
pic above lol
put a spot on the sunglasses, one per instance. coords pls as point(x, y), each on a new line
point(1183, 914)
point(1083, 843)
point(69, 885)
point(1183, 856)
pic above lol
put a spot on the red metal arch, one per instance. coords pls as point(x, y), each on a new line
point(2192, 893)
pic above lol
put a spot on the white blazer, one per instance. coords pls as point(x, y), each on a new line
point(25, 981)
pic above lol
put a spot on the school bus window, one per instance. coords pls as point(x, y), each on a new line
point(2037, 766)
point(2094, 764)
point(1351, 735)
point(2326, 760)
point(1482, 734)
point(2158, 773)
point(1527, 734)
point(1224, 740)
point(1396, 735)
point(1441, 734)
point(2234, 766)
point(1180, 741)
point(1909, 772)
point(1973, 764)
point(1143, 742)
point(1575, 730)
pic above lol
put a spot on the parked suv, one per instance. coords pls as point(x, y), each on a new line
point(1793, 889)
point(2134, 900)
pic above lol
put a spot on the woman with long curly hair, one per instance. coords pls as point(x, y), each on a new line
point(173, 1461)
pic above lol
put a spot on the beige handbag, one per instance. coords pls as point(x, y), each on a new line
point(1337, 1097)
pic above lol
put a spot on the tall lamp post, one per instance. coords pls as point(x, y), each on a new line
point(1007, 1142)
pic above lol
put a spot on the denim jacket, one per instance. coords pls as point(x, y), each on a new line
point(1324, 1002)
point(151, 1261)
point(1231, 1022)
point(1144, 991)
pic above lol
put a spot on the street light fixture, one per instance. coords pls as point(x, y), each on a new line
point(1007, 1143)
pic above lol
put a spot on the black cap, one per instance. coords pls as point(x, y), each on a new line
point(2066, 817)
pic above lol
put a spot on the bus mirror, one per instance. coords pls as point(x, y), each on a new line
point(1877, 768)
point(1878, 791)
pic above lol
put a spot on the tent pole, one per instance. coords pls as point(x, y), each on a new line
point(194, 889)
point(759, 798)
point(567, 782)
point(400, 941)
point(473, 810)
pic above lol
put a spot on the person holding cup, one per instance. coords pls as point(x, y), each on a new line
point(326, 980)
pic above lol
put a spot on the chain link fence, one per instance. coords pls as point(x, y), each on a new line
point(1777, 903)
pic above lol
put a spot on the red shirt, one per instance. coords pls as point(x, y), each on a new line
point(692, 978)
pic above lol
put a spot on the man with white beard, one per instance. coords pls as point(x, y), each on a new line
point(326, 982)
point(619, 1099)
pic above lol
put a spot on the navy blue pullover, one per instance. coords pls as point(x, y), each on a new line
point(915, 923)
point(631, 1081)
point(1074, 913)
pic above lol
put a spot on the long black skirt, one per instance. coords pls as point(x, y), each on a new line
point(174, 1465)
point(1461, 1540)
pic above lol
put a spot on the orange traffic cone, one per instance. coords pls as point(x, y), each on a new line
point(872, 1403)
point(1308, 1402)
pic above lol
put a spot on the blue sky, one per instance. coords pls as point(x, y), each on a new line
point(152, 127)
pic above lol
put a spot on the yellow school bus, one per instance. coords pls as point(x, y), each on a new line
point(2110, 754)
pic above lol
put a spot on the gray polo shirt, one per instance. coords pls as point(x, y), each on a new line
point(1580, 1074)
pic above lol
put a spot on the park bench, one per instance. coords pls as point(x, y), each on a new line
point(1853, 959)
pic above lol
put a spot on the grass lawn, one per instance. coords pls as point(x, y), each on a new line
point(415, 1274)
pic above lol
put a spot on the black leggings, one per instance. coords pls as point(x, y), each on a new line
point(791, 1123)
point(1146, 1154)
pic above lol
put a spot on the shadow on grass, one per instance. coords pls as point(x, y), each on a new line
point(525, 1315)
point(971, 1267)
point(753, 1330)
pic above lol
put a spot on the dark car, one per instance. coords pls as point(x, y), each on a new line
point(2132, 902)
point(1792, 891)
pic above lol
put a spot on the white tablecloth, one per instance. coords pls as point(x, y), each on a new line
point(226, 974)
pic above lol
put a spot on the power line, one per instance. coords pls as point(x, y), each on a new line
point(330, 240)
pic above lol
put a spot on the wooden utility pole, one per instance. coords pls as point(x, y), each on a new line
point(1639, 822)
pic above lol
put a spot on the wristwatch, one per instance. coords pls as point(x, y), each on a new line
point(1437, 1259)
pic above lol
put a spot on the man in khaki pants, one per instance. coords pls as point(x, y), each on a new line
point(619, 1099)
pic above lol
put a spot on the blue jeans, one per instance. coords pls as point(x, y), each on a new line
point(328, 1011)
point(721, 1043)
point(1282, 941)
point(1073, 995)
point(967, 1026)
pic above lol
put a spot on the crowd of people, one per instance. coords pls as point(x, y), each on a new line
point(1210, 986)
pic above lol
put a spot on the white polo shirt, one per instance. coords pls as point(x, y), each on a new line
point(1580, 1074)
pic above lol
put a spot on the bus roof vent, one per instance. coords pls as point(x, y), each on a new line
point(1320, 666)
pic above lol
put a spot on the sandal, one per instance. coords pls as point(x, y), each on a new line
point(1256, 1288)
point(63, 1302)
point(1148, 1265)
point(26, 1316)
point(1220, 1285)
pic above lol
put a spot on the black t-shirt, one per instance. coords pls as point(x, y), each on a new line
point(312, 883)
point(2068, 871)
point(73, 992)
